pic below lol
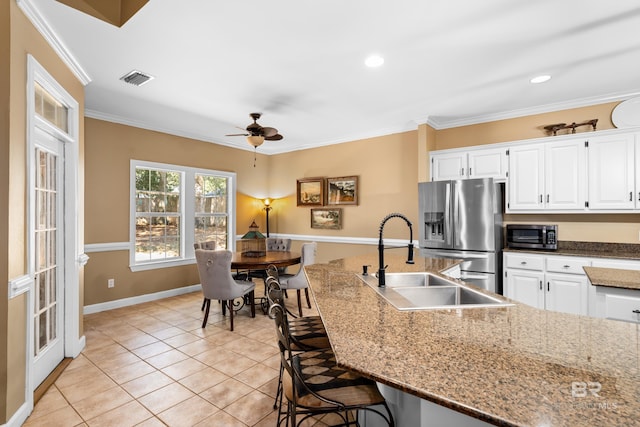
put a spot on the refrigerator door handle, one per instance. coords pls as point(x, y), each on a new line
point(464, 276)
point(448, 229)
point(458, 254)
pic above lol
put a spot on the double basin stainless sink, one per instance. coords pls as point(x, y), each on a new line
point(423, 291)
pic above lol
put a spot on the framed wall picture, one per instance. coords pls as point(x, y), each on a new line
point(326, 218)
point(310, 192)
point(342, 191)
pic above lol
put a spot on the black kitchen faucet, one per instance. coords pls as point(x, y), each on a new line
point(382, 267)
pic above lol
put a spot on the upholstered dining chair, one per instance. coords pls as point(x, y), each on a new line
point(278, 244)
point(210, 245)
point(298, 281)
point(217, 282)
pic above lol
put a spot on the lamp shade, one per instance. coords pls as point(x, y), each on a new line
point(255, 140)
point(253, 243)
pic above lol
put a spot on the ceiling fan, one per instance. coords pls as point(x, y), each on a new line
point(257, 134)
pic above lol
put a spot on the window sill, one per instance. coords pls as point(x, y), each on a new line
point(162, 264)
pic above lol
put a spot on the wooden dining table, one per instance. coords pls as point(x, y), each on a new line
point(278, 258)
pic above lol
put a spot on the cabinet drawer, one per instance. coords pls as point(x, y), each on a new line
point(569, 265)
point(525, 262)
point(621, 307)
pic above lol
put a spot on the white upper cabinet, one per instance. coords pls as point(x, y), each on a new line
point(550, 177)
point(525, 186)
point(612, 165)
point(488, 163)
point(448, 166)
point(592, 172)
point(477, 163)
point(565, 175)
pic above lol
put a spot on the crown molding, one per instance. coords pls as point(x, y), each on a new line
point(443, 123)
point(94, 114)
point(43, 27)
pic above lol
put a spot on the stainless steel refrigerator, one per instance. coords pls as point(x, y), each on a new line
point(463, 219)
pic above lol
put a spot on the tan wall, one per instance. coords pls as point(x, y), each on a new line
point(388, 182)
point(109, 150)
point(527, 127)
point(388, 176)
point(17, 39)
point(5, 174)
point(615, 228)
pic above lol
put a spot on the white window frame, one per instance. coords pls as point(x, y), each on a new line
point(187, 207)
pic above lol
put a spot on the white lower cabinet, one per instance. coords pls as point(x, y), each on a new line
point(547, 282)
point(616, 303)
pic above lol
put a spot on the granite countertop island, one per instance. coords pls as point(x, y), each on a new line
point(613, 277)
point(512, 366)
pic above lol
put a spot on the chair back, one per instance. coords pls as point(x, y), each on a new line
point(272, 271)
point(274, 294)
point(209, 244)
point(278, 245)
point(217, 282)
point(308, 256)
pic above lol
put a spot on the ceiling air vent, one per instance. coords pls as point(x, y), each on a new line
point(136, 78)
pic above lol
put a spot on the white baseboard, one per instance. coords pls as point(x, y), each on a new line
point(20, 416)
point(125, 302)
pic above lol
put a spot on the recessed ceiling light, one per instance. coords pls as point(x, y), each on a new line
point(540, 79)
point(374, 61)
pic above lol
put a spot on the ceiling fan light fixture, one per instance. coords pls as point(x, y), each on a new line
point(255, 140)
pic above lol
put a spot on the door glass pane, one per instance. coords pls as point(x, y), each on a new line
point(46, 247)
point(42, 291)
point(52, 322)
point(42, 331)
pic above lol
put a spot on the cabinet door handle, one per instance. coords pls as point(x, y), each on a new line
point(462, 172)
point(630, 196)
point(635, 311)
point(548, 288)
point(565, 266)
point(547, 198)
point(469, 171)
point(523, 262)
point(541, 198)
point(540, 284)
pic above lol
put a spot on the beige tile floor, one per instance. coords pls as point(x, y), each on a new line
point(152, 364)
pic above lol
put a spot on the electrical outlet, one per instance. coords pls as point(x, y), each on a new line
point(111, 283)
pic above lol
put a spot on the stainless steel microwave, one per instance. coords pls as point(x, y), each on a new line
point(532, 236)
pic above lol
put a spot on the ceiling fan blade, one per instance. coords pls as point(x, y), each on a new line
point(268, 132)
point(237, 134)
point(276, 137)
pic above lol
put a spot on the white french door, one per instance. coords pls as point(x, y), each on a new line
point(48, 254)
